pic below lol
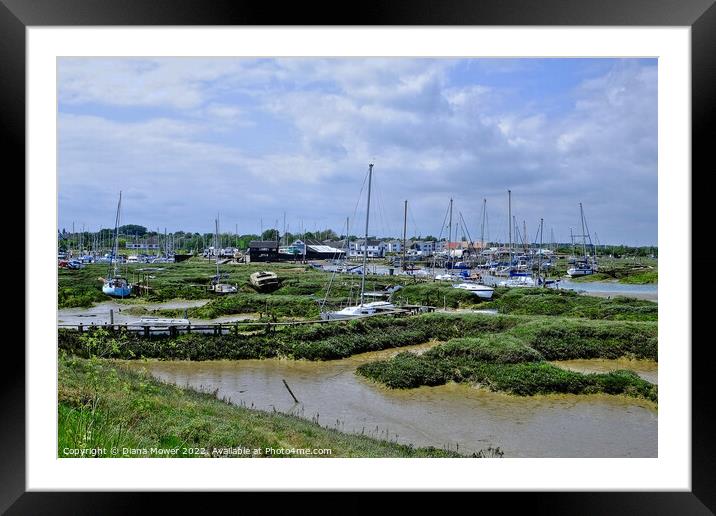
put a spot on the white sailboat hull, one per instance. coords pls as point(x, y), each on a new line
point(353, 312)
point(481, 291)
point(519, 281)
point(574, 272)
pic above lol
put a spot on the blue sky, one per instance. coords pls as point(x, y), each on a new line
point(250, 139)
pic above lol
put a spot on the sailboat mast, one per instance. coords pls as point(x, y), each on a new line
point(509, 222)
point(539, 267)
point(449, 233)
point(405, 230)
point(482, 225)
point(365, 243)
point(216, 247)
point(584, 242)
point(116, 236)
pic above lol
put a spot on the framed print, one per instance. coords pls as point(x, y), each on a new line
point(419, 252)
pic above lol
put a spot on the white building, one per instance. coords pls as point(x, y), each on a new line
point(376, 248)
point(394, 246)
point(427, 247)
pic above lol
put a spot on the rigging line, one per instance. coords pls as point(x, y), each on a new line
point(378, 206)
point(466, 232)
point(365, 180)
point(383, 222)
point(447, 211)
point(587, 228)
point(416, 231)
point(536, 235)
point(487, 224)
point(330, 282)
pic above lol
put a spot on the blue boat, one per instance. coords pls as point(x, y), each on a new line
point(115, 285)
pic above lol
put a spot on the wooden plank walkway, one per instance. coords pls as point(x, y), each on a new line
point(173, 329)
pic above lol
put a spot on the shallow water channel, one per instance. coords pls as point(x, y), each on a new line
point(100, 313)
point(455, 415)
point(647, 369)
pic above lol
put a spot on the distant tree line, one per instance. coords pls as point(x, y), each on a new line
point(186, 241)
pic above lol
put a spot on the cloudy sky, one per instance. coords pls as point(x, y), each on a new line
point(250, 139)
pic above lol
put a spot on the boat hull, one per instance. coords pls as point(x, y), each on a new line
point(114, 291)
point(575, 273)
point(264, 280)
point(222, 289)
point(481, 291)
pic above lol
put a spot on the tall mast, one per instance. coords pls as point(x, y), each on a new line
point(449, 233)
point(216, 247)
point(365, 243)
point(584, 235)
point(115, 249)
point(482, 225)
point(509, 222)
point(539, 267)
point(405, 229)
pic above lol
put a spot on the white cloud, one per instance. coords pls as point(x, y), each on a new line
point(311, 125)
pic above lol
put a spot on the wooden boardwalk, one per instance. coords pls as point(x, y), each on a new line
point(148, 329)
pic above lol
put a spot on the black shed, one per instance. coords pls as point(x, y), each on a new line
point(263, 251)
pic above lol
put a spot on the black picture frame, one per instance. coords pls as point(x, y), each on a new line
point(699, 15)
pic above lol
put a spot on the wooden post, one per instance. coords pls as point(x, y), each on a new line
point(79, 328)
point(172, 331)
point(290, 391)
point(146, 331)
point(111, 316)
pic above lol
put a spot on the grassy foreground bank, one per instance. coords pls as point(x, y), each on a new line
point(103, 405)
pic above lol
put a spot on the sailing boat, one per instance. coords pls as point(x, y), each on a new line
point(216, 285)
point(587, 265)
point(362, 309)
point(515, 278)
point(115, 285)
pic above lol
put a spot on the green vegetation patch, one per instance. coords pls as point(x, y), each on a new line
point(499, 348)
point(437, 294)
point(274, 305)
point(641, 278)
point(407, 370)
point(319, 341)
point(567, 303)
point(566, 339)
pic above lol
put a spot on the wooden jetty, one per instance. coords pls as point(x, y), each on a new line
point(148, 328)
